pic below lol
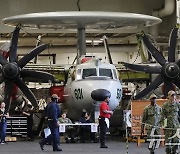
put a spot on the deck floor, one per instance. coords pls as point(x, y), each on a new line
point(115, 147)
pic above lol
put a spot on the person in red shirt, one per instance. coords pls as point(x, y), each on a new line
point(104, 116)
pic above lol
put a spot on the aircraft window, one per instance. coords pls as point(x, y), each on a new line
point(78, 74)
point(73, 75)
point(89, 72)
point(105, 72)
point(115, 74)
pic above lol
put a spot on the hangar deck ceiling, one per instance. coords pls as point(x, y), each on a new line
point(70, 39)
point(127, 37)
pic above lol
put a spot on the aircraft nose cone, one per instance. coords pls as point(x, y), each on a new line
point(10, 70)
point(100, 94)
point(171, 70)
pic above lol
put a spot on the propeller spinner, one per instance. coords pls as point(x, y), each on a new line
point(12, 71)
point(169, 70)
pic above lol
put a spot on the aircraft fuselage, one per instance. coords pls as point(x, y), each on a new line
point(84, 79)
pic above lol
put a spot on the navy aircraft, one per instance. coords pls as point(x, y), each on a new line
point(90, 80)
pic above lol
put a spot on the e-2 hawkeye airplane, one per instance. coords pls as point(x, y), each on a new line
point(91, 79)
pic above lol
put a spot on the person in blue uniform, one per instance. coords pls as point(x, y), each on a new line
point(53, 113)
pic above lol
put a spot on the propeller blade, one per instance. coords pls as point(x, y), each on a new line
point(27, 92)
point(177, 82)
point(172, 45)
point(23, 61)
point(13, 47)
point(107, 49)
point(2, 60)
point(155, 53)
point(7, 94)
point(44, 76)
point(178, 62)
point(144, 68)
point(168, 85)
point(159, 79)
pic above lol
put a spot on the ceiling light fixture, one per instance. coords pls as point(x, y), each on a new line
point(4, 41)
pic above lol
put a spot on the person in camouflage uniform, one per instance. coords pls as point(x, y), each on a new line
point(151, 120)
point(170, 111)
point(70, 131)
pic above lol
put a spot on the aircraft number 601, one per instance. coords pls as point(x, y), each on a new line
point(78, 93)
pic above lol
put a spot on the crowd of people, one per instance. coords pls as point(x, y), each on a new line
point(54, 117)
point(52, 114)
point(154, 118)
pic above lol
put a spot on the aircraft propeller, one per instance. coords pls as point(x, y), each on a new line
point(168, 71)
point(13, 72)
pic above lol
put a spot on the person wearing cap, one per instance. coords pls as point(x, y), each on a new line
point(53, 113)
point(104, 117)
point(170, 112)
point(151, 120)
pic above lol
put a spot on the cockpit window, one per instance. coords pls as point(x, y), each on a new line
point(115, 74)
point(89, 72)
point(105, 72)
point(78, 74)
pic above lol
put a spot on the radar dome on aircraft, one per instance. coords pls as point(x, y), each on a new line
point(100, 94)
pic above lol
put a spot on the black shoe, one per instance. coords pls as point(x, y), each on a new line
point(41, 145)
point(103, 146)
point(58, 149)
point(67, 140)
point(72, 140)
point(30, 139)
point(93, 141)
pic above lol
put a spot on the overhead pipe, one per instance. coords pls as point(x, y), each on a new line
point(168, 9)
